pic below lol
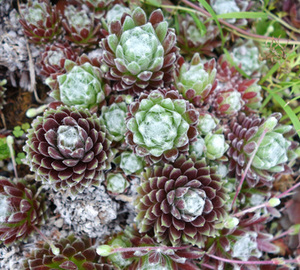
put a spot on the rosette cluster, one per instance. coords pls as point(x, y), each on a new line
point(74, 253)
point(81, 86)
point(163, 259)
point(140, 54)
point(81, 26)
point(244, 134)
point(41, 22)
point(68, 149)
point(246, 240)
point(161, 125)
point(54, 57)
point(21, 210)
point(181, 202)
point(113, 117)
point(194, 80)
point(234, 93)
point(191, 40)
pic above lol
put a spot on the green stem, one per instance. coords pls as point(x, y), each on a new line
point(282, 235)
point(251, 209)
point(275, 261)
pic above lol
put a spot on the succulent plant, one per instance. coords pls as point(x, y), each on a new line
point(116, 183)
point(229, 78)
point(99, 7)
point(113, 118)
point(245, 241)
point(228, 6)
point(68, 149)
point(227, 75)
point(54, 57)
point(228, 102)
point(251, 94)
point(207, 122)
point(215, 146)
point(75, 253)
point(116, 13)
point(247, 55)
point(21, 210)
point(96, 4)
point(181, 202)
point(212, 147)
point(140, 54)
point(81, 86)
point(41, 21)
point(196, 81)
point(190, 40)
point(161, 125)
point(198, 148)
point(130, 163)
point(160, 258)
point(81, 27)
point(244, 133)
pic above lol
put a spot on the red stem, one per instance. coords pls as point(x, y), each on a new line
point(248, 167)
point(287, 191)
point(274, 261)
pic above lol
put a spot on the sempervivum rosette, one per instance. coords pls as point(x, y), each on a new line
point(99, 7)
point(74, 253)
point(190, 40)
point(195, 81)
point(244, 134)
point(41, 22)
point(113, 118)
point(68, 149)
point(21, 210)
point(54, 57)
point(140, 54)
point(81, 86)
point(228, 6)
point(247, 91)
point(244, 241)
point(81, 27)
point(161, 125)
point(181, 202)
point(228, 102)
point(161, 258)
point(247, 56)
point(227, 75)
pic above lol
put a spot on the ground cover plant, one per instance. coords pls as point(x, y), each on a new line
point(149, 134)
